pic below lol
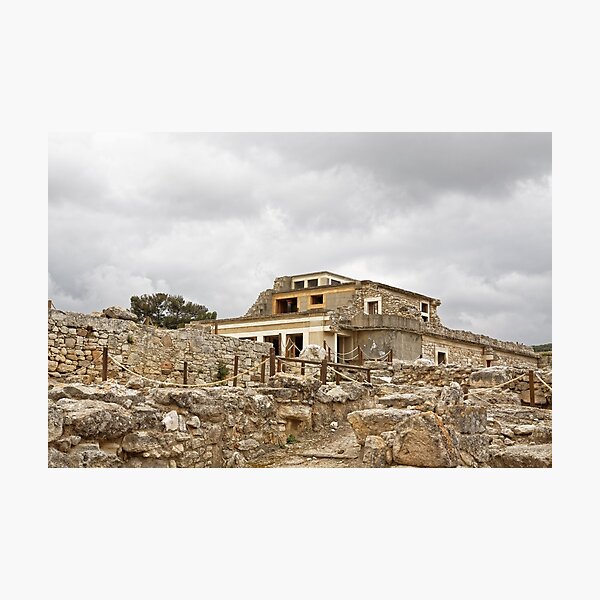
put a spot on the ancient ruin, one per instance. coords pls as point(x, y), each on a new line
point(122, 394)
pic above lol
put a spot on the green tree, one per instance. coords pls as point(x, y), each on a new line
point(168, 311)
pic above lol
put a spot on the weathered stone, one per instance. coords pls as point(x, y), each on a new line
point(140, 441)
point(116, 312)
point(373, 421)
point(246, 445)
point(375, 449)
point(171, 421)
point(527, 429)
point(464, 418)
point(55, 423)
point(422, 440)
point(451, 394)
point(522, 456)
point(490, 377)
point(94, 419)
point(57, 459)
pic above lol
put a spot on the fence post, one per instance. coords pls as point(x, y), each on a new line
point(337, 377)
point(278, 365)
point(263, 364)
point(185, 372)
point(235, 369)
point(369, 375)
point(104, 363)
point(272, 362)
point(324, 371)
point(531, 389)
point(360, 356)
point(302, 370)
point(390, 355)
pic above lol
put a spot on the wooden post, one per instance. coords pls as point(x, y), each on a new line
point(216, 328)
point(329, 354)
point(104, 363)
point(337, 377)
point(390, 355)
point(360, 356)
point(272, 362)
point(185, 372)
point(369, 375)
point(531, 389)
point(302, 370)
point(49, 304)
point(324, 371)
point(263, 365)
point(235, 369)
point(278, 365)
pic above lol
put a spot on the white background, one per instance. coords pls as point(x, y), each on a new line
point(310, 66)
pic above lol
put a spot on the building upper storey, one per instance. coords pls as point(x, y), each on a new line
point(326, 291)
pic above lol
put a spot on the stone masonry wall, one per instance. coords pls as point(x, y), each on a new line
point(76, 341)
point(111, 425)
point(442, 375)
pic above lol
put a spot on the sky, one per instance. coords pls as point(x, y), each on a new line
point(463, 217)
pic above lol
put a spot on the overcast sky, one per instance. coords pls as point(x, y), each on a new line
point(465, 218)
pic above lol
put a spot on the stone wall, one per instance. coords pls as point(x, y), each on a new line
point(76, 341)
point(111, 425)
point(443, 375)
point(467, 348)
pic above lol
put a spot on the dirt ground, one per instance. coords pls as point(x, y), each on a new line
point(323, 449)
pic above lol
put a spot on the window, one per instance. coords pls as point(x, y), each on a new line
point(313, 282)
point(442, 357)
point(316, 299)
point(425, 311)
point(335, 282)
point(372, 306)
point(286, 305)
point(299, 285)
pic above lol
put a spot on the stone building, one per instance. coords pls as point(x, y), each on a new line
point(345, 315)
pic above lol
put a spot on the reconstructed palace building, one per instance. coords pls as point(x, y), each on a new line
point(343, 314)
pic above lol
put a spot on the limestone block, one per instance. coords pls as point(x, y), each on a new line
point(171, 421)
point(464, 418)
point(375, 451)
point(55, 423)
point(116, 312)
point(373, 421)
point(95, 419)
point(422, 440)
point(490, 377)
point(522, 456)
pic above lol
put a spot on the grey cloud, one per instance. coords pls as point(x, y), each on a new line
point(216, 217)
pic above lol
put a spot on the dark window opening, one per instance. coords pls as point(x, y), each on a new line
point(441, 358)
point(488, 363)
point(316, 299)
point(373, 308)
point(313, 282)
point(273, 339)
point(286, 305)
point(335, 282)
point(298, 285)
point(424, 307)
point(425, 318)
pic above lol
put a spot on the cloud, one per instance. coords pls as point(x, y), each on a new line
point(215, 217)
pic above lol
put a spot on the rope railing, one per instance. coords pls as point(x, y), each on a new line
point(174, 384)
point(549, 387)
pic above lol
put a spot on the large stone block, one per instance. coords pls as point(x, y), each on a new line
point(94, 419)
point(522, 456)
point(464, 418)
point(490, 377)
point(375, 450)
point(374, 421)
point(422, 440)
